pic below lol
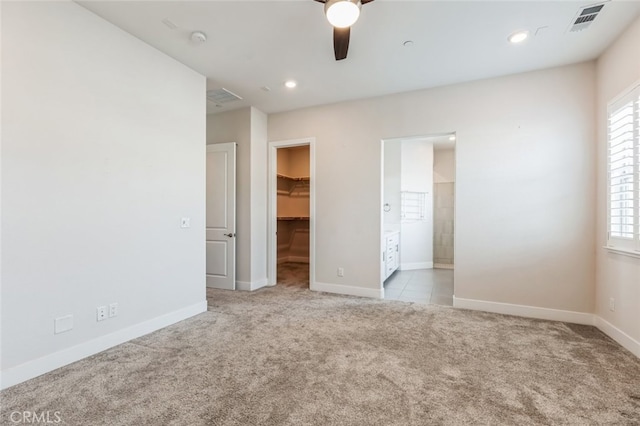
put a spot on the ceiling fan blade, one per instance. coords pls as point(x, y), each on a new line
point(341, 42)
point(361, 1)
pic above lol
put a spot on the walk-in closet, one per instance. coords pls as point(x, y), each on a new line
point(293, 216)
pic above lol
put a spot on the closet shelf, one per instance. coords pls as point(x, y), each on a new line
point(293, 217)
point(293, 186)
point(299, 178)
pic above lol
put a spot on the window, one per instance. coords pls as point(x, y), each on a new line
point(623, 172)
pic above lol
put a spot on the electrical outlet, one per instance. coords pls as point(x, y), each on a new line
point(185, 222)
point(612, 304)
point(113, 310)
point(341, 272)
point(101, 313)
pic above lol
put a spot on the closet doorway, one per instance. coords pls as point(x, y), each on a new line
point(291, 196)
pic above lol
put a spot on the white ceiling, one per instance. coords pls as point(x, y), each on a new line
point(252, 44)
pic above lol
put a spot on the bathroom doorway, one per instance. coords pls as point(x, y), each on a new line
point(418, 195)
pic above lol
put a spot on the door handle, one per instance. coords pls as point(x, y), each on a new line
point(230, 235)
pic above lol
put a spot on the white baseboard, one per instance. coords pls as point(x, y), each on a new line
point(47, 363)
point(414, 266)
point(251, 286)
point(626, 341)
point(524, 311)
point(377, 293)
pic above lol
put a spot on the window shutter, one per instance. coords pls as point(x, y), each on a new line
point(623, 172)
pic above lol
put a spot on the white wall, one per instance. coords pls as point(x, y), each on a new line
point(391, 184)
point(247, 127)
point(618, 276)
point(525, 197)
point(235, 126)
point(416, 237)
point(259, 187)
point(102, 154)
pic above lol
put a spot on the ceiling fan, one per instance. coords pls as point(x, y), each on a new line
point(342, 14)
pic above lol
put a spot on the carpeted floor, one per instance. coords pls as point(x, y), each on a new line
point(288, 356)
point(293, 274)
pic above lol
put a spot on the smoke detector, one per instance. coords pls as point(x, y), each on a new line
point(198, 37)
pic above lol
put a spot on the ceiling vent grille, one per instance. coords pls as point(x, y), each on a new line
point(222, 96)
point(585, 17)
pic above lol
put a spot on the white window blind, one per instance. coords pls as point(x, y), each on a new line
point(623, 172)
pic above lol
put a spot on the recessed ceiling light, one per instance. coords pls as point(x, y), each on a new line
point(408, 43)
point(518, 37)
point(290, 84)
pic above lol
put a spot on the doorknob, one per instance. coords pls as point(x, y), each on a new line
point(230, 235)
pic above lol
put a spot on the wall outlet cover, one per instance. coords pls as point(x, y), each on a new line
point(101, 313)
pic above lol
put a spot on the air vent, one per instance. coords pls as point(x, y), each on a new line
point(222, 96)
point(585, 17)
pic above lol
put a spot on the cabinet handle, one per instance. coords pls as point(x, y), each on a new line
point(230, 235)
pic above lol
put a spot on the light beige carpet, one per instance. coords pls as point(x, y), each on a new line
point(293, 274)
point(287, 356)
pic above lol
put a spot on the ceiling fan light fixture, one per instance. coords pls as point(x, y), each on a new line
point(342, 13)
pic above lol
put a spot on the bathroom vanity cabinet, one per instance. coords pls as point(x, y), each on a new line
point(391, 252)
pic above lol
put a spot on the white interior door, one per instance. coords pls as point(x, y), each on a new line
point(221, 216)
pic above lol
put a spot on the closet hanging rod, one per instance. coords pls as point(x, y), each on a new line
point(280, 175)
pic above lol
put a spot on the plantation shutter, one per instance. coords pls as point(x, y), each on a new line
point(623, 172)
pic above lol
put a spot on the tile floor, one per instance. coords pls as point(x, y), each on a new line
point(433, 286)
point(420, 286)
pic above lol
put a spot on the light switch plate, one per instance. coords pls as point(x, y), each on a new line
point(62, 324)
point(113, 310)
